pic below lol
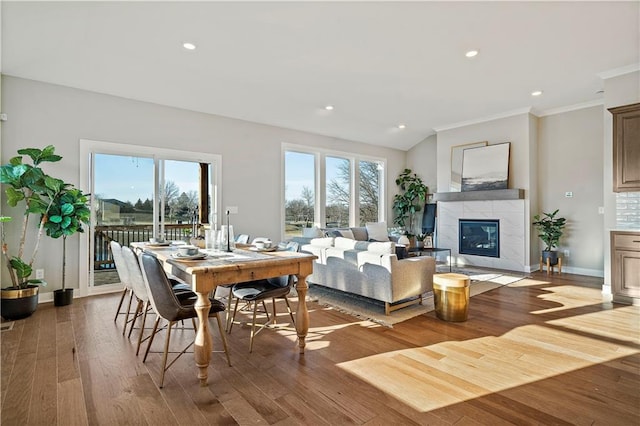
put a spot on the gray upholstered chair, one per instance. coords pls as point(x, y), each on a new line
point(168, 307)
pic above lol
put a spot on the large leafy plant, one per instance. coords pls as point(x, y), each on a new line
point(549, 228)
point(28, 184)
point(410, 201)
point(68, 212)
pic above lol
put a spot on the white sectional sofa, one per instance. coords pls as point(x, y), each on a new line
point(370, 269)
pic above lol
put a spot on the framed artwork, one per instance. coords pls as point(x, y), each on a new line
point(428, 242)
point(456, 164)
point(486, 168)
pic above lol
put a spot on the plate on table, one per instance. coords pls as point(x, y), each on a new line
point(182, 257)
point(262, 249)
point(165, 244)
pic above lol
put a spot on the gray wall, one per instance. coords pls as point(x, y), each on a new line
point(570, 153)
point(422, 159)
point(41, 114)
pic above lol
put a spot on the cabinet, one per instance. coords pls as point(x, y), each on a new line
point(626, 148)
point(625, 266)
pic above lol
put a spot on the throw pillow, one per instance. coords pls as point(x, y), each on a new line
point(347, 234)
point(377, 231)
point(314, 232)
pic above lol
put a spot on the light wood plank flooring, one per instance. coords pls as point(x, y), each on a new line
point(544, 350)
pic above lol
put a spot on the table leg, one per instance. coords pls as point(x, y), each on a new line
point(203, 343)
point(302, 313)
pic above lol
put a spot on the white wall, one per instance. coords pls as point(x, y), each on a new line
point(422, 159)
point(41, 114)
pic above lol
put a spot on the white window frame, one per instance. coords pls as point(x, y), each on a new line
point(320, 156)
point(90, 147)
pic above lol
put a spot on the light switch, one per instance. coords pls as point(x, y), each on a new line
point(568, 194)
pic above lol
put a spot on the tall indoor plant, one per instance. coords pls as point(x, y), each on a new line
point(409, 201)
point(550, 229)
point(68, 212)
point(27, 185)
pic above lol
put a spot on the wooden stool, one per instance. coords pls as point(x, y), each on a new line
point(451, 296)
point(550, 267)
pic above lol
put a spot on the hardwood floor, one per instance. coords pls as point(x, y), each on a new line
point(544, 350)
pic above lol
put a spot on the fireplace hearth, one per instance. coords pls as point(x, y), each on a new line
point(479, 237)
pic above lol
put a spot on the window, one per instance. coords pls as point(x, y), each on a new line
point(330, 189)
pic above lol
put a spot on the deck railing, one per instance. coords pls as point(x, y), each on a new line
point(127, 234)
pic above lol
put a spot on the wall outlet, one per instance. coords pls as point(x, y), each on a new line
point(39, 274)
point(600, 210)
point(566, 253)
point(568, 194)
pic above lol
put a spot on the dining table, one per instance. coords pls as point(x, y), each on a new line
point(211, 268)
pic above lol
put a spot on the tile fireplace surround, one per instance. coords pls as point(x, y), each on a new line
point(511, 215)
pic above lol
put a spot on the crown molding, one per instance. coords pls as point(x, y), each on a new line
point(616, 72)
point(568, 108)
point(507, 114)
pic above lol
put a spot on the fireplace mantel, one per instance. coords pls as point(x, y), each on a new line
point(494, 194)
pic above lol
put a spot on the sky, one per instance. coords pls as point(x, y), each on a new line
point(129, 178)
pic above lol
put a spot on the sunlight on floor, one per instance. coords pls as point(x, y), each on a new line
point(446, 373)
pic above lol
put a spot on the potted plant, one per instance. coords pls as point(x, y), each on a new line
point(67, 214)
point(27, 184)
point(550, 230)
point(409, 201)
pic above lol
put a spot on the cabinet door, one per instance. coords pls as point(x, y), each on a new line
point(626, 270)
point(626, 148)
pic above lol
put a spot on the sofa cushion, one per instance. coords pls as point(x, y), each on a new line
point(344, 243)
point(323, 242)
point(382, 248)
point(362, 245)
point(377, 231)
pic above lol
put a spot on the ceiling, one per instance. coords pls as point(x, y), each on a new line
point(378, 63)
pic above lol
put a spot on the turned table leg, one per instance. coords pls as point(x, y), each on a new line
point(203, 343)
point(302, 313)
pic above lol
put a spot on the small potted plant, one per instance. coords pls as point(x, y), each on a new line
point(27, 184)
point(410, 201)
point(68, 212)
point(550, 229)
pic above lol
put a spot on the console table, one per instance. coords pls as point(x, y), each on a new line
point(421, 251)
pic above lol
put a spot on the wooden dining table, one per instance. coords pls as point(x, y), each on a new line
point(220, 268)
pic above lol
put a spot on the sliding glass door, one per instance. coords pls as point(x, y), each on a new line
point(138, 194)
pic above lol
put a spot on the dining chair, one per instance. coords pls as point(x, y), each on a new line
point(180, 289)
point(260, 290)
point(123, 274)
point(168, 307)
point(242, 239)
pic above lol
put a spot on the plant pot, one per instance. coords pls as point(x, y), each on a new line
point(18, 304)
point(62, 297)
point(551, 255)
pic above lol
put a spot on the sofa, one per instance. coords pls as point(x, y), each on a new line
point(370, 269)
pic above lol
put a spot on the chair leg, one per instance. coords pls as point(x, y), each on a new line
point(293, 320)
point(144, 319)
point(253, 326)
point(136, 316)
point(126, 318)
point(273, 305)
point(233, 318)
point(166, 353)
point(228, 312)
point(223, 335)
point(124, 293)
point(153, 334)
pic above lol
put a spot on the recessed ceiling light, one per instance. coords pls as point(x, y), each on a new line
point(329, 107)
point(402, 126)
point(536, 93)
point(471, 53)
point(189, 46)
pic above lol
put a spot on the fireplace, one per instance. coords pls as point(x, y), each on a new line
point(479, 237)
